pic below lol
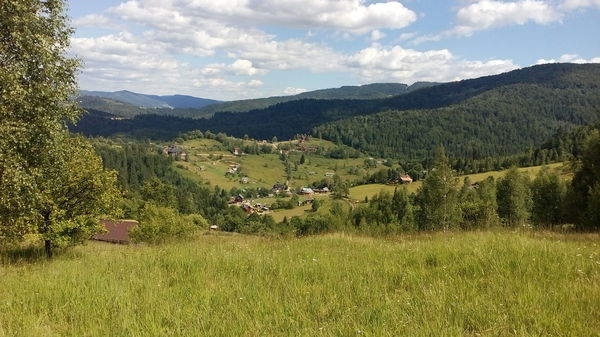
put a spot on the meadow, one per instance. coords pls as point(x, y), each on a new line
point(494, 283)
point(370, 190)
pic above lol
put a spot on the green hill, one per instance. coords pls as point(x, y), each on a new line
point(488, 116)
point(435, 284)
point(368, 91)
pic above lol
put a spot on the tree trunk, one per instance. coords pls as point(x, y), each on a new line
point(48, 248)
point(46, 229)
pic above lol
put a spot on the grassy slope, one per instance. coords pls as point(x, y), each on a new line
point(360, 192)
point(263, 170)
point(453, 284)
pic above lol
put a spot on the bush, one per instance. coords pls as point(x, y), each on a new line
point(159, 224)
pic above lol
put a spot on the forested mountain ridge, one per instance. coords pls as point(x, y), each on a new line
point(502, 121)
point(367, 91)
point(509, 112)
point(128, 104)
point(151, 101)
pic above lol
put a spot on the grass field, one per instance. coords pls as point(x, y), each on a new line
point(370, 190)
point(445, 284)
point(266, 169)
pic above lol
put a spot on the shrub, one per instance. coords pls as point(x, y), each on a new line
point(159, 224)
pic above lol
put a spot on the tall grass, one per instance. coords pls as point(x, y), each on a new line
point(457, 284)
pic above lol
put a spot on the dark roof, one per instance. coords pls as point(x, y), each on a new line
point(116, 231)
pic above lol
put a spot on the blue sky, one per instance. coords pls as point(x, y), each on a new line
point(236, 49)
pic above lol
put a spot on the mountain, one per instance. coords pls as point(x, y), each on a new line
point(367, 91)
point(151, 101)
point(487, 116)
point(110, 106)
point(185, 102)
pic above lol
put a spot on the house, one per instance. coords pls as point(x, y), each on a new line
point(323, 190)
point(236, 151)
point(279, 187)
point(306, 202)
point(236, 199)
point(248, 208)
point(116, 231)
point(174, 152)
point(214, 228)
point(405, 179)
point(233, 169)
point(307, 191)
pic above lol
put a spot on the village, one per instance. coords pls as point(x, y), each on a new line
point(282, 178)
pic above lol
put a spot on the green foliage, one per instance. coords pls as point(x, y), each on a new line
point(514, 198)
point(548, 197)
point(452, 284)
point(159, 224)
point(585, 184)
point(158, 192)
point(52, 184)
point(436, 198)
point(316, 204)
point(385, 213)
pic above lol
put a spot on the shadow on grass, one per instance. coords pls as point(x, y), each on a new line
point(22, 254)
point(29, 254)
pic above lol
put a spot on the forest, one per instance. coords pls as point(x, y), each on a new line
point(492, 116)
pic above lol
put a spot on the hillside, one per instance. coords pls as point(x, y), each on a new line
point(368, 91)
point(128, 104)
point(149, 101)
point(434, 284)
point(488, 116)
point(110, 106)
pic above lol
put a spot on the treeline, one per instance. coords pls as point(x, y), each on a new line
point(167, 204)
point(499, 122)
point(442, 203)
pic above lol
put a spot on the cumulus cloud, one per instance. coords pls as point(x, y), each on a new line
point(575, 4)
point(294, 91)
point(488, 14)
point(93, 20)
point(125, 61)
point(569, 58)
point(377, 35)
point(376, 64)
point(345, 15)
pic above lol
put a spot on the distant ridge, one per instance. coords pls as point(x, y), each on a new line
point(489, 116)
point(128, 104)
point(367, 91)
point(152, 101)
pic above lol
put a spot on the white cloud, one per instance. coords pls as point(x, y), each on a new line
point(377, 64)
point(575, 4)
point(569, 58)
point(488, 14)
point(345, 15)
point(93, 20)
point(125, 61)
point(245, 67)
point(294, 91)
point(377, 35)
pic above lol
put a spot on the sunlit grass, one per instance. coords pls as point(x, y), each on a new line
point(452, 284)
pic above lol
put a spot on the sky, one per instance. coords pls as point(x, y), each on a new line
point(238, 49)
